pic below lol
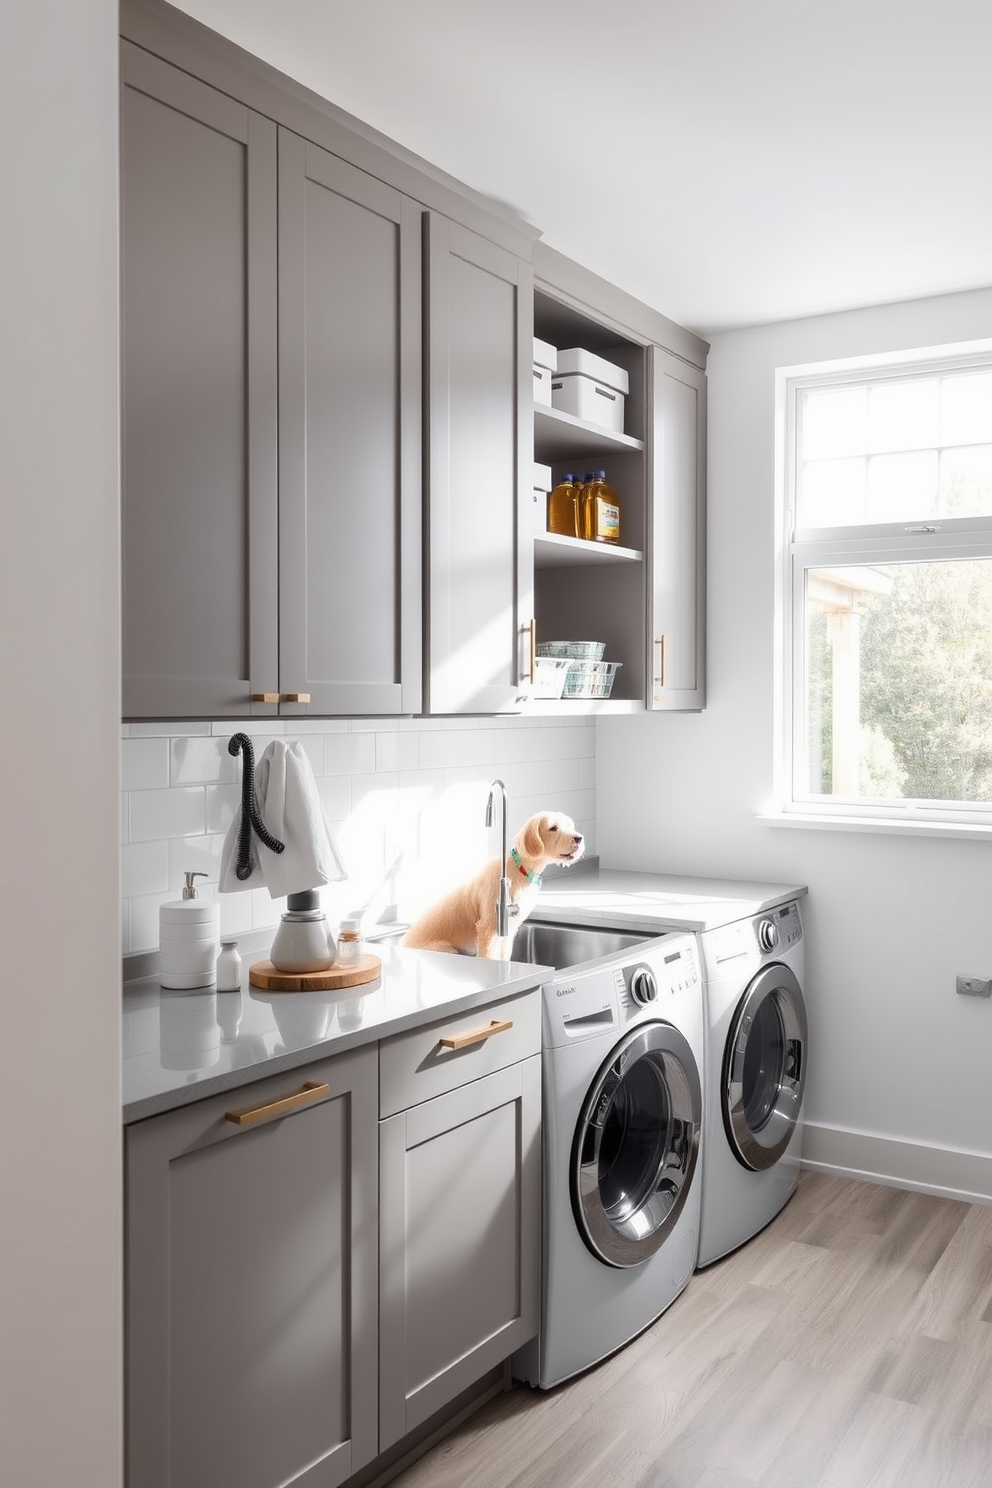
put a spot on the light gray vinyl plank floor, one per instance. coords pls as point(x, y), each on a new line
point(849, 1345)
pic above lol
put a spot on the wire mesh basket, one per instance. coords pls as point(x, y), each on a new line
point(574, 650)
point(590, 679)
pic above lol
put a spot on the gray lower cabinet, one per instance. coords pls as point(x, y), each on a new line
point(479, 471)
point(251, 1284)
point(459, 1178)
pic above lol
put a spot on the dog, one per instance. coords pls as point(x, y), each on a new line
point(465, 920)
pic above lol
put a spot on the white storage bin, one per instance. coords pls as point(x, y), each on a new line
point(577, 359)
point(543, 481)
point(542, 386)
point(585, 398)
point(545, 355)
point(545, 362)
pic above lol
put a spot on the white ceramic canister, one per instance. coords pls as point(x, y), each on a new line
point(189, 930)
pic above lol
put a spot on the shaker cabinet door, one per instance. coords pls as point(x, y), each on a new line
point(198, 326)
point(677, 519)
point(251, 1289)
point(480, 464)
point(350, 436)
point(460, 1240)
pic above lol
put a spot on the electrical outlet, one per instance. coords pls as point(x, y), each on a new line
point(972, 986)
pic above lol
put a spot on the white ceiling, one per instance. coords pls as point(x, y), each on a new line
point(728, 161)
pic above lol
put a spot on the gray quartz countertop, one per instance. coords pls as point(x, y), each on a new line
point(183, 1046)
point(646, 901)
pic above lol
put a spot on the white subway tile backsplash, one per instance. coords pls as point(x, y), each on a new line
point(144, 764)
point(167, 813)
point(144, 868)
point(349, 754)
point(405, 799)
point(201, 762)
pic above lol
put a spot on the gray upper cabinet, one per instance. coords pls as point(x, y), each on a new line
point(251, 1245)
point(349, 436)
point(479, 458)
point(271, 416)
point(198, 228)
point(677, 534)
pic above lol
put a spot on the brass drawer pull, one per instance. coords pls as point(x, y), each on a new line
point(312, 1090)
point(265, 697)
point(294, 697)
point(477, 1035)
point(531, 629)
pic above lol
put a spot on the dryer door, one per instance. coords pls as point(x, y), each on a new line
point(764, 1068)
point(635, 1146)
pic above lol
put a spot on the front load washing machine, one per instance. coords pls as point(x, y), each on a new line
point(755, 1074)
point(623, 1055)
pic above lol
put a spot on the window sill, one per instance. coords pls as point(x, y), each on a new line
point(811, 821)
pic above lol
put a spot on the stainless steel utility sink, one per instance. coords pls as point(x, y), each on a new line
point(565, 946)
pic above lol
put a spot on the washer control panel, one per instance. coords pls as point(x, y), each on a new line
point(778, 928)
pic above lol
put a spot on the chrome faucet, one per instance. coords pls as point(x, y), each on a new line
point(503, 901)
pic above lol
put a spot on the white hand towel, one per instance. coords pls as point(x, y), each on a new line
point(289, 805)
point(291, 809)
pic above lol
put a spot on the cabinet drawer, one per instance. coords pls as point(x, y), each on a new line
point(417, 1066)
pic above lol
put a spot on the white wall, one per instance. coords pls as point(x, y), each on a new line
point(60, 1309)
point(899, 1063)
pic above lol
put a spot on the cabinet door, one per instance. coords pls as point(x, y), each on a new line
point(459, 1241)
point(480, 465)
point(350, 299)
point(251, 1288)
point(677, 535)
point(198, 267)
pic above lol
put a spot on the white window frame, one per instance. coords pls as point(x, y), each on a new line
point(798, 550)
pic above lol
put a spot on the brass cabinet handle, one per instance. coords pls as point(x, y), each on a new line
point(660, 643)
point(532, 632)
point(313, 1090)
point(477, 1035)
point(265, 697)
point(294, 697)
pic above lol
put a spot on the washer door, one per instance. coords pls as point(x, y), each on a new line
point(764, 1068)
point(636, 1144)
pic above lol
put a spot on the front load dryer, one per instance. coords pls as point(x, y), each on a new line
point(622, 1063)
point(756, 1054)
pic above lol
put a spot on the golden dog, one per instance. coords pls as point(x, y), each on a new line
point(465, 919)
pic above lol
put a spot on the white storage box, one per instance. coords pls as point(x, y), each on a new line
point(543, 481)
point(577, 359)
point(545, 355)
point(585, 398)
point(545, 362)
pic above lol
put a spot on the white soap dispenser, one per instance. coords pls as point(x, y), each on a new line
point(188, 932)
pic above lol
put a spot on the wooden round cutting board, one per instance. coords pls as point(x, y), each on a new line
point(263, 974)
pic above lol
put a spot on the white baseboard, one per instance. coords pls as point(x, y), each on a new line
point(934, 1170)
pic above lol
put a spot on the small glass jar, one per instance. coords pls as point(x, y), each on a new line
point(350, 948)
point(228, 967)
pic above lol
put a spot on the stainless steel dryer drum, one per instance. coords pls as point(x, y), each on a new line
point(623, 1114)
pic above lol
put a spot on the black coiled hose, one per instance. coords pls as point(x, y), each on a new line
point(250, 819)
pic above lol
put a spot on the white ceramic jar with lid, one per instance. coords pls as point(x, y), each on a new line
point(188, 932)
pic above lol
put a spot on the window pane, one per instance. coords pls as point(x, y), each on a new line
point(832, 493)
point(902, 486)
point(904, 415)
point(834, 422)
point(966, 408)
point(899, 681)
point(966, 481)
